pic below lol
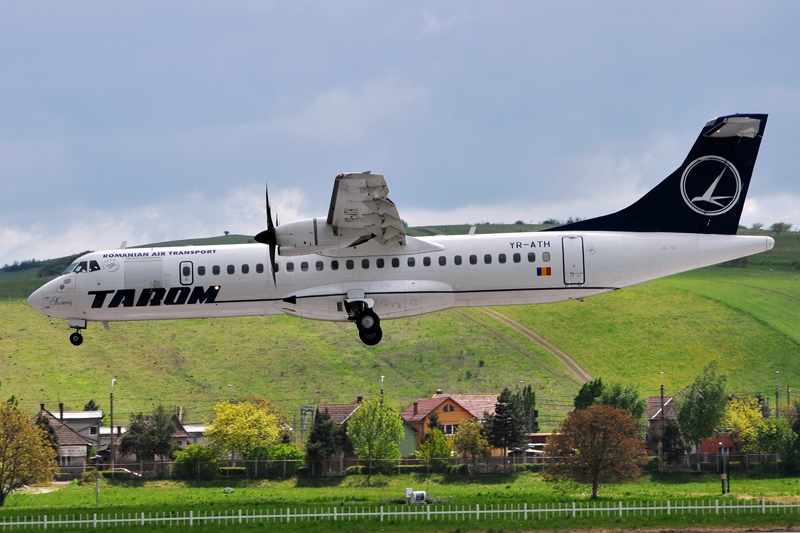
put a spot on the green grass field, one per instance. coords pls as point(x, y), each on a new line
point(748, 318)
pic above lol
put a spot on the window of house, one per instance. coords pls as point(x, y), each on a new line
point(304, 266)
point(289, 267)
point(395, 262)
point(426, 261)
point(231, 269)
point(93, 430)
point(245, 269)
point(334, 265)
point(260, 268)
point(546, 257)
point(411, 261)
point(215, 270)
point(517, 258)
point(457, 260)
point(349, 264)
point(201, 271)
point(450, 429)
point(379, 262)
point(448, 408)
point(365, 264)
point(531, 257)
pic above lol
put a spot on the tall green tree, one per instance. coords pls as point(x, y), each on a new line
point(376, 431)
point(26, 456)
point(529, 412)
point(672, 444)
point(149, 435)
point(470, 439)
point(91, 405)
point(701, 408)
point(506, 427)
point(239, 428)
point(625, 397)
point(321, 443)
point(589, 393)
point(436, 451)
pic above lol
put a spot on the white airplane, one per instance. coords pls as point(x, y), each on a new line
point(359, 265)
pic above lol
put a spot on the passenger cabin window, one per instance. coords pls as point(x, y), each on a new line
point(245, 269)
point(319, 265)
point(457, 260)
point(473, 260)
point(201, 271)
point(487, 259)
point(379, 262)
point(349, 265)
point(260, 268)
point(426, 261)
point(517, 258)
point(334, 265)
point(546, 257)
point(304, 266)
point(395, 262)
point(411, 261)
point(365, 264)
point(93, 266)
point(442, 260)
point(531, 257)
point(501, 258)
point(215, 270)
point(290, 267)
point(187, 271)
point(231, 269)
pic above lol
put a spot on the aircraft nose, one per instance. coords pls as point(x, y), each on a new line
point(770, 243)
point(36, 300)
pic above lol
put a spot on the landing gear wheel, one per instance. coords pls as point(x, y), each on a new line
point(368, 321)
point(76, 338)
point(371, 338)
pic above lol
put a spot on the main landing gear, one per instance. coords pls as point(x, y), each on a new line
point(367, 322)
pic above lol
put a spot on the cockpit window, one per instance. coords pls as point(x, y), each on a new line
point(93, 266)
point(81, 267)
point(70, 268)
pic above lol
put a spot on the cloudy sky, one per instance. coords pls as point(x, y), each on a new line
point(149, 121)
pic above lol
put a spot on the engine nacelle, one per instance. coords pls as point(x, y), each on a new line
point(313, 235)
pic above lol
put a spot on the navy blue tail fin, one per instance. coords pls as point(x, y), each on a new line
point(705, 195)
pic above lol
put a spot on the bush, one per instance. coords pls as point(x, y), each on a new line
point(196, 462)
point(233, 471)
point(88, 477)
point(354, 471)
point(280, 460)
point(654, 465)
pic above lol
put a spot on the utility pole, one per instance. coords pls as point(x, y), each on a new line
point(777, 396)
point(382, 390)
point(661, 442)
point(230, 388)
point(112, 425)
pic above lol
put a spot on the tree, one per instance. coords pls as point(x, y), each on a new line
point(433, 423)
point(672, 444)
point(321, 444)
point(279, 460)
point(375, 431)
point(623, 397)
point(91, 406)
point(149, 435)
point(780, 227)
point(239, 428)
point(589, 393)
point(470, 438)
point(50, 435)
point(196, 461)
point(436, 451)
point(700, 410)
point(26, 456)
point(529, 412)
point(757, 225)
point(773, 435)
point(506, 427)
point(742, 417)
point(598, 445)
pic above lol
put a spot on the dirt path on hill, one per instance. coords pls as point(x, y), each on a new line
point(569, 363)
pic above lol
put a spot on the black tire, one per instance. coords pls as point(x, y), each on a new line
point(76, 338)
point(371, 338)
point(368, 321)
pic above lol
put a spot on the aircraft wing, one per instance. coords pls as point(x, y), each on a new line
point(361, 202)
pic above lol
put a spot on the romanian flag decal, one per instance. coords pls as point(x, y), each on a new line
point(543, 271)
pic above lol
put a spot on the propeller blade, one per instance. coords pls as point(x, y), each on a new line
point(268, 237)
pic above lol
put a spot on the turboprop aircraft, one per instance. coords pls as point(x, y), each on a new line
point(359, 265)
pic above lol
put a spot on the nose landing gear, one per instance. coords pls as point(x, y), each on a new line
point(76, 338)
point(367, 322)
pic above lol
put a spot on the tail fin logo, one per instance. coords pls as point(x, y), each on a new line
point(711, 185)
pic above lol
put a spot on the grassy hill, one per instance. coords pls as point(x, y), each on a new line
point(749, 318)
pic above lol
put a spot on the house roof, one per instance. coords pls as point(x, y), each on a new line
point(653, 411)
point(66, 435)
point(474, 404)
point(339, 412)
point(180, 431)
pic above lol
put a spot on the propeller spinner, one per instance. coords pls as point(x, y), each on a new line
point(268, 237)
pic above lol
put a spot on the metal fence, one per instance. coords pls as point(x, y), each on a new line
point(410, 513)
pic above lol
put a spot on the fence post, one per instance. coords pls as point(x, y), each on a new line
point(429, 513)
point(763, 507)
point(240, 516)
point(620, 509)
point(573, 509)
point(526, 511)
point(478, 511)
point(288, 515)
point(191, 518)
point(334, 514)
point(669, 509)
point(716, 506)
point(45, 521)
point(381, 513)
point(95, 520)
